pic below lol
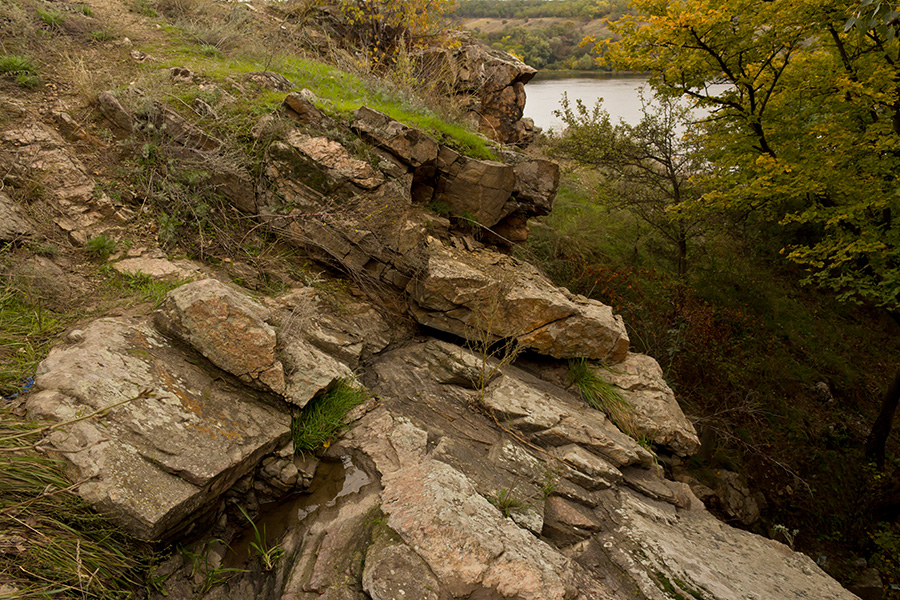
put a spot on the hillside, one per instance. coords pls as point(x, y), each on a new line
point(285, 318)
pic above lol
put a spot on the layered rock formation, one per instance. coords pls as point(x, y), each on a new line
point(492, 84)
point(463, 475)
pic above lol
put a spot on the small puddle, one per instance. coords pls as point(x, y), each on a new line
point(333, 480)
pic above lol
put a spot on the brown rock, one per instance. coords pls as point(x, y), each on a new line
point(566, 522)
point(475, 188)
point(112, 109)
point(270, 80)
point(471, 294)
point(410, 145)
point(226, 327)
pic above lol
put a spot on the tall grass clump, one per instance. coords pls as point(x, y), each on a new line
point(602, 395)
point(54, 544)
point(320, 421)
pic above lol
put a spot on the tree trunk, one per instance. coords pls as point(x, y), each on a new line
point(881, 429)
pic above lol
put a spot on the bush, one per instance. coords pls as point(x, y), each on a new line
point(320, 421)
point(602, 395)
point(100, 247)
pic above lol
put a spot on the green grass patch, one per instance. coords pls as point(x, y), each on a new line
point(338, 92)
point(506, 500)
point(601, 394)
point(322, 419)
point(26, 333)
point(51, 18)
point(61, 548)
point(99, 36)
point(14, 64)
point(141, 287)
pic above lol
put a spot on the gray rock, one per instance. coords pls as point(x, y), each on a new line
point(13, 224)
point(157, 464)
point(393, 572)
point(113, 110)
point(656, 413)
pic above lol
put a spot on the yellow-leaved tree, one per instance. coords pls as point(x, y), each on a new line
point(383, 27)
point(805, 131)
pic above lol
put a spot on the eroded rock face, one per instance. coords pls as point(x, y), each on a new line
point(155, 463)
point(495, 80)
point(656, 412)
point(469, 294)
point(478, 189)
point(38, 158)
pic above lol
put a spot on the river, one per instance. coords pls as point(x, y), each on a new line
point(620, 95)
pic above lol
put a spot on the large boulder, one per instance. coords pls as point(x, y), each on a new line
point(477, 189)
point(226, 327)
point(656, 414)
point(485, 294)
point(156, 464)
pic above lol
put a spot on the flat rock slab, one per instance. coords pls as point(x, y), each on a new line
point(706, 558)
point(152, 464)
point(158, 268)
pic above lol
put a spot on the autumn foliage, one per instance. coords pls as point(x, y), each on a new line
point(383, 27)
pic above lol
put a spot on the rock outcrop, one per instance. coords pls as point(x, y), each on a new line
point(487, 294)
point(493, 82)
point(462, 475)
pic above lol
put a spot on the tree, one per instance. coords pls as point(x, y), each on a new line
point(649, 165)
point(806, 133)
point(382, 27)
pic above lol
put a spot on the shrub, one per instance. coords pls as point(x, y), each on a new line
point(100, 247)
point(322, 419)
point(602, 395)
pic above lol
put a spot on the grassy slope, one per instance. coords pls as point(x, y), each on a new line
point(64, 54)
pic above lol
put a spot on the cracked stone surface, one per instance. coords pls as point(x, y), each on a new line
point(156, 463)
point(473, 294)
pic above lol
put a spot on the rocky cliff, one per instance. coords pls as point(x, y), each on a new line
point(471, 467)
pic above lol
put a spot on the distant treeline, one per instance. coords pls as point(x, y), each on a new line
point(533, 9)
point(553, 47)
point(557, 47)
